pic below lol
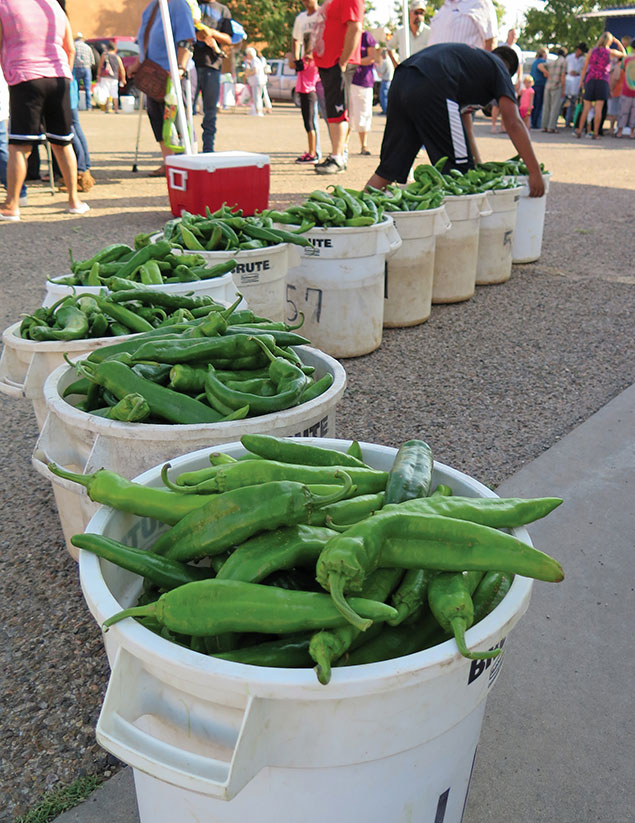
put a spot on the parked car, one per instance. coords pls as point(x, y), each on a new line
point(127, 49)
point(281, 82)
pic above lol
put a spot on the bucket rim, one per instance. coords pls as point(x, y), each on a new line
point(129, 431)
point(343, 230)
point(190, 285)
point(12, 339)
point(237, 255)
point(286, 683)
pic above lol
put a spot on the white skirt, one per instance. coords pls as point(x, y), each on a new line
point(361, 108)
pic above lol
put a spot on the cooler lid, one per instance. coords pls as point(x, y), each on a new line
point(214, 160)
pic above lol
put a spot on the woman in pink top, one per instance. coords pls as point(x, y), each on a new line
point(596, 79)
point(36, 53)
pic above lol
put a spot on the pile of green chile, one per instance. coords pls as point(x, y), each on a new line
point(219, 364)
point(299, 556)
point(129, 309)
point(337, 207)
point(514, 167)
point(227, 230)
point(147, 264)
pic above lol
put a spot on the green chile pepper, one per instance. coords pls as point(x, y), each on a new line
point(210, 607)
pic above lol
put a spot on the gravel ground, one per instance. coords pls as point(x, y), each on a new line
point(489, 383)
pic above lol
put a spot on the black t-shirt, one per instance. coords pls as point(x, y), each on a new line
point(465, 74)
point(214, 16)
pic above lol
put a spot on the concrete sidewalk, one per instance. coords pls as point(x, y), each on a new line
point(557, 739)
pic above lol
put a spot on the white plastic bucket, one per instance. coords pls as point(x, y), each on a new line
point(530, 223)
point(83, 443)
point(218, 741)
point(494, 263)
point(25, 364)
point(126, 103)
point(410, 271)
point(260, 275)
point(339, 287)
point(456, 251)
point(218, 288)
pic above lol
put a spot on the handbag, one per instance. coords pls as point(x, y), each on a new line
point(150, 77)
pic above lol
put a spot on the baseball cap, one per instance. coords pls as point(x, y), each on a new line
point(416, 4)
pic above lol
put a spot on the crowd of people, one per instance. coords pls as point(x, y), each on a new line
point(337, 64)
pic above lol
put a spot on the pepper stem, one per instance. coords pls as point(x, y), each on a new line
point(458, 625)
point(336, 587)
point(264, 347)
point(297, 325)
point(339, 494)
point(182, 489)
point(82, 479)
point(230, 309)
point(135, 611)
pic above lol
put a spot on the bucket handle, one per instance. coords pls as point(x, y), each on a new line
point(220, 778)
point(389, 241)
point(442, 222)
point(486, 209)
point(10, 388)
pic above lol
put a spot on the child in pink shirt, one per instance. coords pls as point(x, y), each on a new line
point(526, 98)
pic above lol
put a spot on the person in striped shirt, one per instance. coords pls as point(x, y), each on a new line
point(472, 22)
point(429, 103)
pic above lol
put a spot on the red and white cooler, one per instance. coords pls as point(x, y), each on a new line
point(238, 178)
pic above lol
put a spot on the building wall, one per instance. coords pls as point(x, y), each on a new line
point(101, 18)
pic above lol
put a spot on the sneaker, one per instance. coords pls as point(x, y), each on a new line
point(329, 166)
point(307, 158)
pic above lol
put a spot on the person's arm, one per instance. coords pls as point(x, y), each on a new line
point(68, 44)
point(620, 51)
point(183, 56)
point(351, 42)
point(122, 71)
point(100, 65)
point(371, 56)
point(466, 117)
point(543, 69)
point(518, 134)
point(586, 65)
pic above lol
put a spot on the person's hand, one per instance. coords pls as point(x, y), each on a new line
point(536, 184)
point(132, 68)
point(342, 67)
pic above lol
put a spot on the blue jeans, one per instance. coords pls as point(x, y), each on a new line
point(209, 84)
point(80, 146)
point(383, 95)
point(536, 112)
point(4, 156)
point(84, 75)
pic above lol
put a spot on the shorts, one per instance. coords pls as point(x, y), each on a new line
point(308, 99)
point(613, 107)
point(334, 94)
point(155, 109)
point(361, 108)
point(41, 109)
point(419, 114)
point(111, 84)
point(596, 89)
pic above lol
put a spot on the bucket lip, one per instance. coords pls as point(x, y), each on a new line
point(190, 285)
point(11, 337)
point(279, 683)
point(409, 214)
point(340, 230)
point(238, 255)
point(128, 431)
